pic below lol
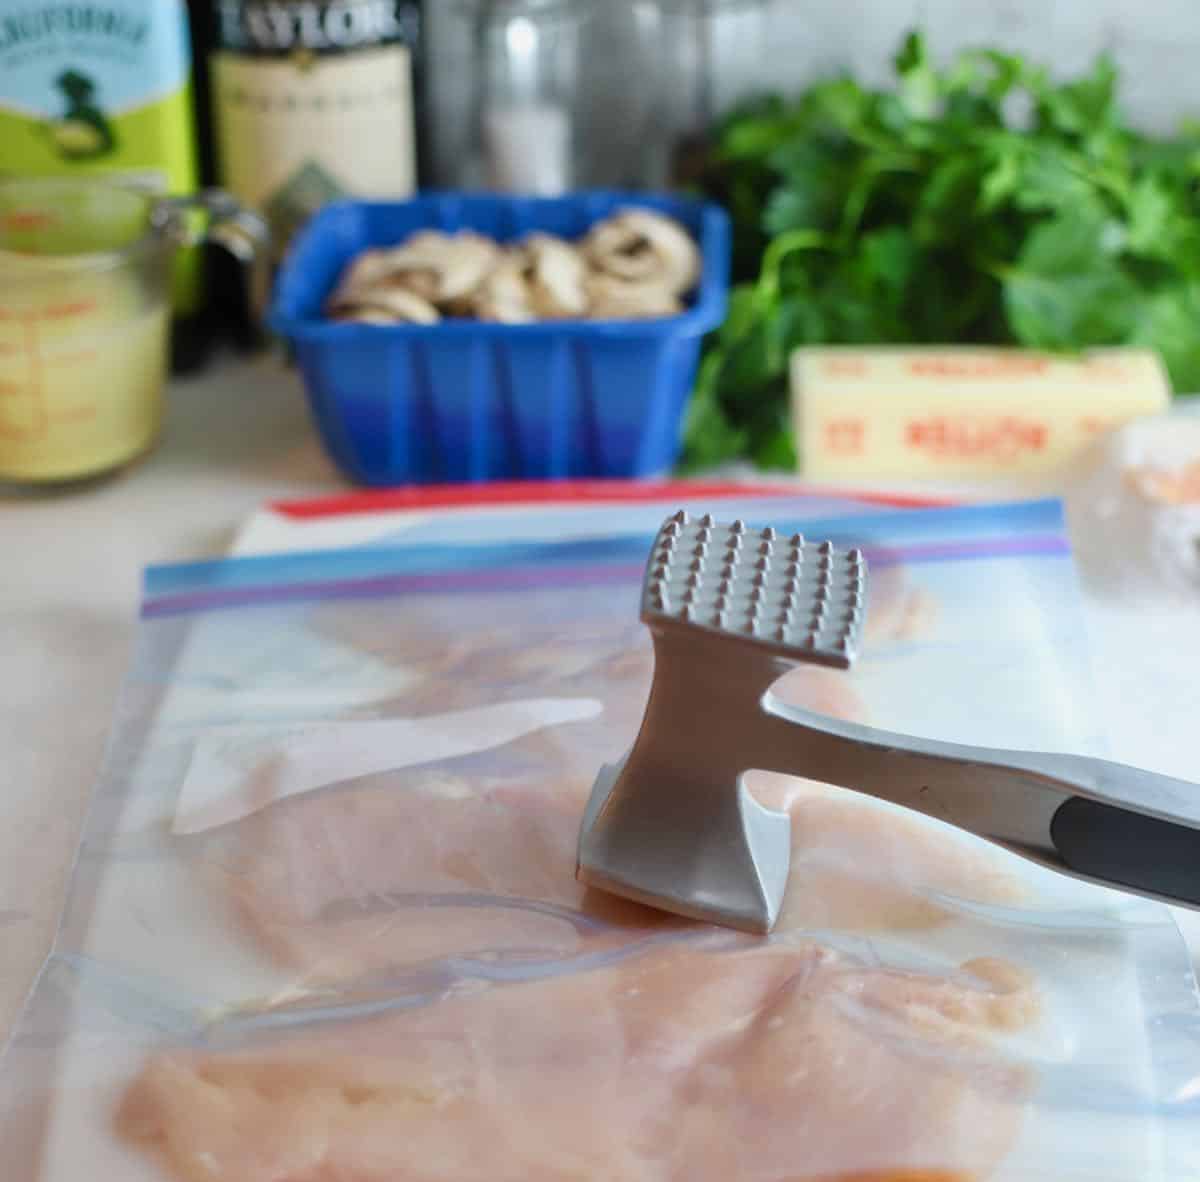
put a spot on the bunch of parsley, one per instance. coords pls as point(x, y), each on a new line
point(978, 203)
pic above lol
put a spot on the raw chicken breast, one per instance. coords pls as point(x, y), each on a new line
point(525, 644)
point(412, 867)
point(422, 865)
point(588, 643)
point(475, 858)
point(730, 1060)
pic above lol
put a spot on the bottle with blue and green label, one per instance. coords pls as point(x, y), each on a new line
point(105, 89)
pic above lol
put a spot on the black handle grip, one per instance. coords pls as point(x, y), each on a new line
point(1129, 849)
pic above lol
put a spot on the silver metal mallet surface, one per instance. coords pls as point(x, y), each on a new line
point(730, 609)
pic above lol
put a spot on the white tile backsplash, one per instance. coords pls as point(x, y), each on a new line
point(1156, 44)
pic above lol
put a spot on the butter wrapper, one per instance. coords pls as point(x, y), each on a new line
point(962, 412)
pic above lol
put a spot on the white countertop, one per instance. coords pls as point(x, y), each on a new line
point(237, 436)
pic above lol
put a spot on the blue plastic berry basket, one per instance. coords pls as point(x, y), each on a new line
point(469, 401)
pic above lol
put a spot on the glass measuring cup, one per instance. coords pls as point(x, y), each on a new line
point(85, 317)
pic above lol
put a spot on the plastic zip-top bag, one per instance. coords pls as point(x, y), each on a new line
point(324, 924)
point(560, 511)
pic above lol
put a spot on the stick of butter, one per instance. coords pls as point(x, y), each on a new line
point(961, 411)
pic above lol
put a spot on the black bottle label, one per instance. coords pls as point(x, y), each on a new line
point(272, 28)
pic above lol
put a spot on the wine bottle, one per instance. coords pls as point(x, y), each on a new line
point(314, 100)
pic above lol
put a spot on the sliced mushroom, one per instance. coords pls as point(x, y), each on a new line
point(441, 269)
point(413, 266)
point(364, 269)
point(640, 246)
point(635, 265)
point(506, 295)
point(384, 305)
point(610, 298)
point(364, 315)
point(467, 259)
point(557, 275)
point(365, 273)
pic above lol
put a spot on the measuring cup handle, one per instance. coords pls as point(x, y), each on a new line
point(227, 224)
point(223, 210)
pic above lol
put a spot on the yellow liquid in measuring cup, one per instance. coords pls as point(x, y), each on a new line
point(83, 361)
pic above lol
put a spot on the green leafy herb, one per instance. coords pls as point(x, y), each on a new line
point(978, 203)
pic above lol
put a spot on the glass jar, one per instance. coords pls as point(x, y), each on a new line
point(85, 271)
point(531, 108)
point(702, 55)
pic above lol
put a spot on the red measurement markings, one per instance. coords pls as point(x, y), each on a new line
point(33, 387)
point(63, 310)
point(37, 385)
point(10, 390)
point(67, 309)
point(28, 219)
